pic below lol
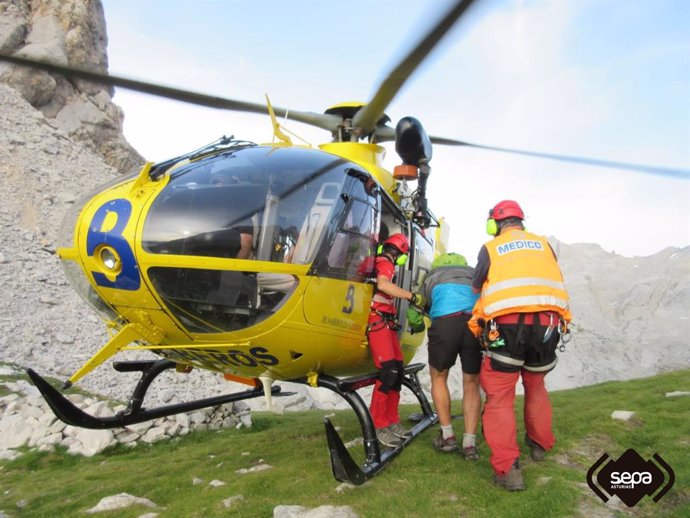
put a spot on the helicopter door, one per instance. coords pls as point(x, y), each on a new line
point(393, 221)
point(422, 256)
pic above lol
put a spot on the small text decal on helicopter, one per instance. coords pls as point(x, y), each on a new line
point(339, 322)
point(218, 359)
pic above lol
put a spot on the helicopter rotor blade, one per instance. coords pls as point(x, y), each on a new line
point(320, 120)
point(331, 122)
point(366, 118)
point(387, 134)
point(671, 172)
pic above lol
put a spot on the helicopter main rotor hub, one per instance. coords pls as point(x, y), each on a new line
point(346, 132)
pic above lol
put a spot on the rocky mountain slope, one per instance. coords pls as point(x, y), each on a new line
point(66, 32)
point(631, 314)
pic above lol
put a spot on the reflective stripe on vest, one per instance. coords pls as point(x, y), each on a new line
point(527, 300)
point(382, 298)
point(523, 281)
point(522, 278)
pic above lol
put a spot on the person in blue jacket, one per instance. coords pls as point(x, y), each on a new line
point(449, 299)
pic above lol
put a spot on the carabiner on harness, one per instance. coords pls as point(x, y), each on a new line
point(496, 341)
point(564, 332)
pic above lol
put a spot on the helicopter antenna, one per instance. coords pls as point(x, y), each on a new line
point(277, 131)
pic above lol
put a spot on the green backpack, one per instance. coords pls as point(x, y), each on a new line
point(449, 259)
point(415, 320)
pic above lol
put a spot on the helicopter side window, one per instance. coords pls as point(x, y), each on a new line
point(354, 241)
point(352, 234)
point(315, 222)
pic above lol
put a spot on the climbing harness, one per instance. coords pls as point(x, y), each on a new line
point(387, 320)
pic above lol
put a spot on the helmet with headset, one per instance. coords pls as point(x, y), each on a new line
point(400, 243)
point(502, 210)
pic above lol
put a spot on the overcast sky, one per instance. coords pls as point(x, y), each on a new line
point(596, 78)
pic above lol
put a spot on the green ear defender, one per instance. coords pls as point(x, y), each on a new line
point(400, 261)
point(491, 227)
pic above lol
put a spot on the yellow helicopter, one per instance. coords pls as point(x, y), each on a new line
point(254, 261)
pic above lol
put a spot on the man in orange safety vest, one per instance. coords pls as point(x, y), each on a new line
point(522, 311)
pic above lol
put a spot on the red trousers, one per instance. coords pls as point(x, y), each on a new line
point(384, 346)
point(498, 417)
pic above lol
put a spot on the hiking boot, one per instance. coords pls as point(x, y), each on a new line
point(512, 481)
point(399, 431)
point(387, 438)
point(536, 452)
point(470, 453)
point(445, 445)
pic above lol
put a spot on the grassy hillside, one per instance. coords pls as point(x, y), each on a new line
point(419, 482)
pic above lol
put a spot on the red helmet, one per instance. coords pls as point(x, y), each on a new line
point(399, 241)
point(506, 209)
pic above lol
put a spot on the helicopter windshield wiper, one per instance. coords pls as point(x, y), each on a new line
point(160, 168)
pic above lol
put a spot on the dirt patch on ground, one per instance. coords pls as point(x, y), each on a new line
point(582, 456)
point(590, 506)
point(586, 452)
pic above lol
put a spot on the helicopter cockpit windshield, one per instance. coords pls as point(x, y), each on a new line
point(256, 203)
point(287, 206)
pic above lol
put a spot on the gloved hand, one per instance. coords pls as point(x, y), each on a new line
point(417, 299)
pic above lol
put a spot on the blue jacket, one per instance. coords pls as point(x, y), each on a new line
point(448, 290)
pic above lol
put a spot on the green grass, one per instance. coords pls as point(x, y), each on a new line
point(418, 482)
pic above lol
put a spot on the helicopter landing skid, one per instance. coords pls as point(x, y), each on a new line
point(69, 413)
point(344, 467)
